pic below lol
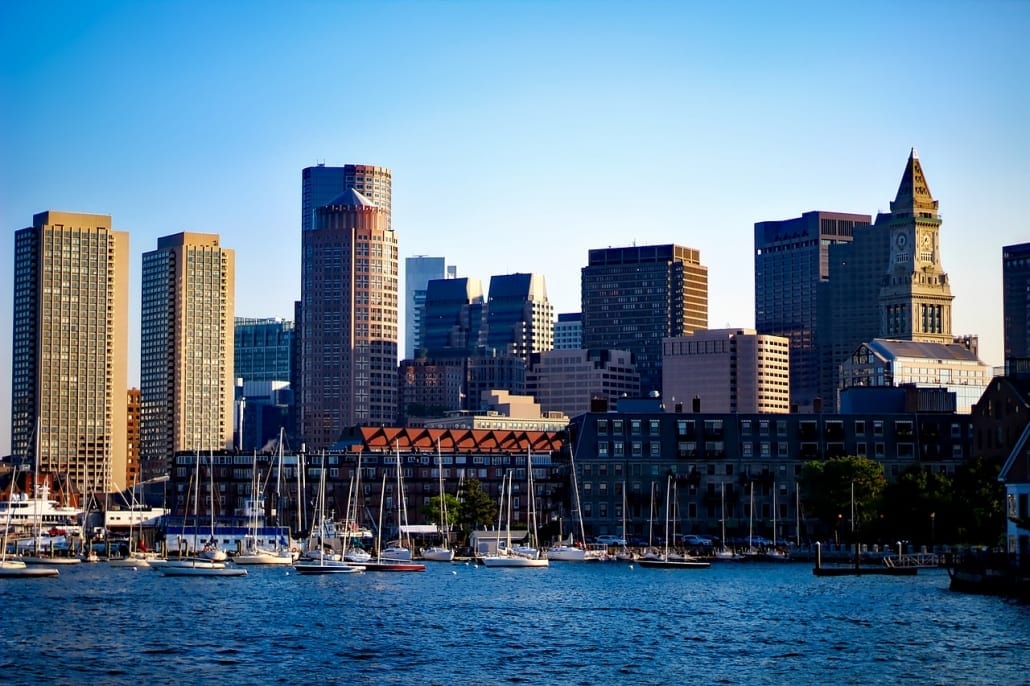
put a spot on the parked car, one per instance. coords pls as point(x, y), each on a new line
point(695, 540)
point(610, 539)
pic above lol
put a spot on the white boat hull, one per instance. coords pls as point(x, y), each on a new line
point(515, 561)
point(264, 559)
point(201, 570)
point(438, 554)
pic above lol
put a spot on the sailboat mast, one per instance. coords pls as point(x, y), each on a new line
point(668, 490)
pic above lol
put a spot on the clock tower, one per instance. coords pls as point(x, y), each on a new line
point(915, 300)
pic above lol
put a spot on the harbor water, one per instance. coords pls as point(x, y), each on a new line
point(572, 623)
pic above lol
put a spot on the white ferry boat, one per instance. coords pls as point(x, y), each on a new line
point(40, 513)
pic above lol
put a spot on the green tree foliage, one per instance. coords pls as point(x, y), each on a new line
point(918, 507)
point(432, 510)
point(979, 502)
point(476, 509)
point(827, 488)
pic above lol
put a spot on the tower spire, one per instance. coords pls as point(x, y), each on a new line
point(914, 198)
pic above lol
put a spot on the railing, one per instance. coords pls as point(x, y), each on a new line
point(912, 560)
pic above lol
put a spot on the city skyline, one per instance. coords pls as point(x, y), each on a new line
point(516, 127)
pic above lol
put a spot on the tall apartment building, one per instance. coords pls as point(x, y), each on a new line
point(888, 281)
point(418, 272)
point(791, 266)
point(70, 340)
point(568, 380)
point(1015, 277)
point(727, 370)
point(568, 331)
point(349, 313)
point(186, 357)
point(519, 319)
point(634, 297)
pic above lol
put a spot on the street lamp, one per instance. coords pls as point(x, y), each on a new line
point(933, 527)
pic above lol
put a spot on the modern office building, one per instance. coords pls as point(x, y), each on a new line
point(321, 184)
point(1015, 277)
point(791, 266)
point(186, 356)
point(519, 319)
point(349, 327)
point(262, 348)
point(70, 340)
point(568, 331)
point(570, 380)
point(887, 282)
point(453, 316)
point(727, 370)
point(634, 297)
point(418, 272)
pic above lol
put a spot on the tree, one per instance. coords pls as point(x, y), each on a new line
point(828, 486)
point(432, 510)
point(918, 507)
point(477, 508)
point(979, 501)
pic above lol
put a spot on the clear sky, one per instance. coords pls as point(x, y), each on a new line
point(520, 134)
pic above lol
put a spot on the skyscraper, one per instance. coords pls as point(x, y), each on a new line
point(634, 297)
point(262, 348)
point(68, 376)
point(519, 317)
point(321, 184)
point(791, 263)
point(186, 357)
point(453, 317)
point(418, 272)
point(349, 296)
point(1015, 277)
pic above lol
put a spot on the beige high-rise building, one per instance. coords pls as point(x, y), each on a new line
point(186, 360)
point(727, 370)
point(71, 327)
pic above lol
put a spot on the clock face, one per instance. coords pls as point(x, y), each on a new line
point(901, 239)
point(926, 240)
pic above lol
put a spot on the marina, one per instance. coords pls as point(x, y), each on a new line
point(756, 623)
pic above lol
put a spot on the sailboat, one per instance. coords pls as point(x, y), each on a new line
point(514, 557)
point(441, 552)
point(773, 552)
point(253, 553)
point(567, 550)
point(135, 558)
point(324, 564)
point(624, 554)
point(382, 563)
point(724, 552)
point(664, 561)
point(197, 566)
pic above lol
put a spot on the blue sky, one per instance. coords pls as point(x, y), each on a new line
point(520, 134)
